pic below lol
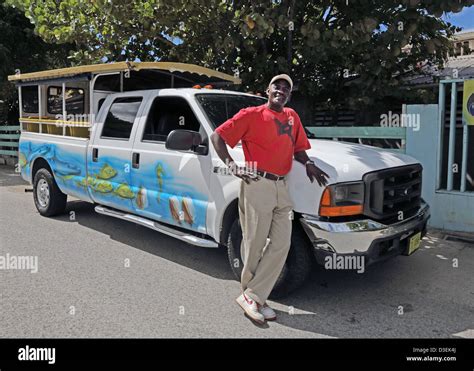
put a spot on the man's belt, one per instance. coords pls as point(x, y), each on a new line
point(270, 176)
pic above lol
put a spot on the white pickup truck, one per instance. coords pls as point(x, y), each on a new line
point(147, 158)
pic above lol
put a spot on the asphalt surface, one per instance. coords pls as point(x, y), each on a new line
point(103, 277)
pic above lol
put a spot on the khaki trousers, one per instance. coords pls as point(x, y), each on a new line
point(265, 211)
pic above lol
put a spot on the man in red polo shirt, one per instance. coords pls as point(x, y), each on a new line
point(271, 135)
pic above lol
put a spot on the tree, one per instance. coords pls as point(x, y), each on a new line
point(22, 50)
point(347, 53)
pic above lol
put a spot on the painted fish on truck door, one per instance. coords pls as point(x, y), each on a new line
point(67, 165)
point(159, 193)
point(163, 194)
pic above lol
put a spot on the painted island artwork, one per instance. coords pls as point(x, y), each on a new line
point(153, 191)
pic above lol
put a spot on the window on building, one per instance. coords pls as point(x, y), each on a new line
point(466, 50)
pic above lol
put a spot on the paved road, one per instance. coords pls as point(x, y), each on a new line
point(103, 277)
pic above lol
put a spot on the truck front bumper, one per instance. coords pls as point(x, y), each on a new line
point(371, 239)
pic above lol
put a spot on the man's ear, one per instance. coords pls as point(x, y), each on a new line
point(267, 92)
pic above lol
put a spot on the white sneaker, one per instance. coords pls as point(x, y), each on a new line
point(250, 308)
point(267, 312)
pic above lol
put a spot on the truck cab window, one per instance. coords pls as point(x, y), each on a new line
point(221, 107)
point(168, 114)
point(120, 118)
point(99, 105)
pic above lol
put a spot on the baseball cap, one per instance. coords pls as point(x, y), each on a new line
point(282, 77)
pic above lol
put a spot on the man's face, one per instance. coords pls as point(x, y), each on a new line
point(279, 92)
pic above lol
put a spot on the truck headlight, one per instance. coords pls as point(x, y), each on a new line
point(342, 199)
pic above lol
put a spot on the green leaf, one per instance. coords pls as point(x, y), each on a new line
point(254, 36)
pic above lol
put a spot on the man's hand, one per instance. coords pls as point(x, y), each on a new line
point(240, 173)
point(315, 172)
point(312, 170)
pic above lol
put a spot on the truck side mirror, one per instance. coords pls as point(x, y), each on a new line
point(185, 140)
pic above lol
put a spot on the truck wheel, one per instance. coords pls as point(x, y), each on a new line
point(49, 200)
point(297, 267)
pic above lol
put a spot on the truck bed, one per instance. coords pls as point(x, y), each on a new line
point(66, 156)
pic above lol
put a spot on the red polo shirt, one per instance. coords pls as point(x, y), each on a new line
point(269, 138)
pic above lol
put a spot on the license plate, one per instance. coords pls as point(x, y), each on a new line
point(414, 243)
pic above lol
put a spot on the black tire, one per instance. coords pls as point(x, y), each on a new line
point(297, 267)
point(56, 201)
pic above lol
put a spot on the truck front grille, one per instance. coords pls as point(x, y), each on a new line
point(393, 194)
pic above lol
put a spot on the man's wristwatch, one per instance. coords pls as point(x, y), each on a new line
point(309, 162)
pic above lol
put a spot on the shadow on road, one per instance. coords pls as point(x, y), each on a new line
point(212, 262)
point(325, 293)
point(331, 302)
point(10, 178)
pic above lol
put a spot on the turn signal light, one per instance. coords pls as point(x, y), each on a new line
point(342, 200)
point(340, 210)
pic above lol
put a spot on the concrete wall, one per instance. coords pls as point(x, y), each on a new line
point(451, 210)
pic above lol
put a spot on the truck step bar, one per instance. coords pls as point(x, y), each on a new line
point(183, 236)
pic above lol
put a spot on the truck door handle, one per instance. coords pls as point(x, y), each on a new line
point(135, 160)
point(95, 154)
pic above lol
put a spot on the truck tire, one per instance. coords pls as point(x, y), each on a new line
point(49, 200)
point(297, 267)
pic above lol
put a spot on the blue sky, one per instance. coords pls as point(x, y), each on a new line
point(464, 19)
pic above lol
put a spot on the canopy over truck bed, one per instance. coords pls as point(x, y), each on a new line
point(64, 101)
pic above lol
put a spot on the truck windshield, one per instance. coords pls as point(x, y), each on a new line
point(220, 107)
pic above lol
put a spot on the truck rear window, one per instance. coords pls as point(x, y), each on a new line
point(220, 107)
point(119, 121)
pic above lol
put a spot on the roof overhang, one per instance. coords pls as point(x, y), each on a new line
point(187, 72)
